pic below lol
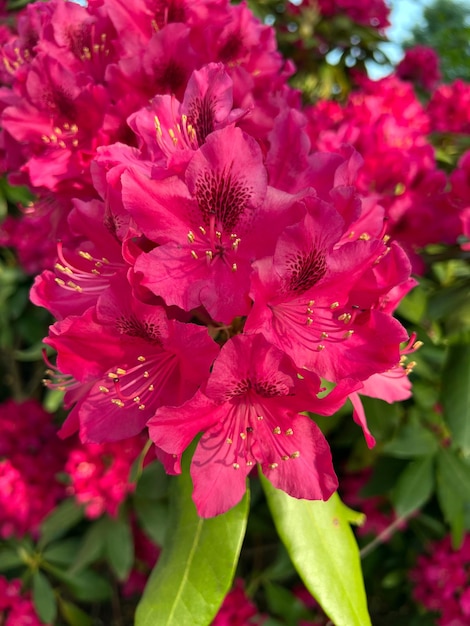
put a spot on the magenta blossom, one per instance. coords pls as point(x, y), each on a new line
point(144, 360)
point(248, 413)
point(208, 228)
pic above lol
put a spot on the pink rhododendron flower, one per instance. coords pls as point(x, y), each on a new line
point(238, 610)
point(420, 65)
point(16, 608)
point(145, 360)
point(449, 106)
point(31, 456)
point(84, 268)
point(441, 581)
point(306, 300)
point(100, 474)
point(249, 413)
point(220, 218)
point(219, 250)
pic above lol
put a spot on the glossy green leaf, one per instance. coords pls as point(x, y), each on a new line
point(62, 518)
point(62, 552)
point(323, 549)
point(119, 547)
point(455, 396)
point(455, 472)
point(86, 585)
point(44, 598)
point(412, 440)
point(453, 491)
point(73, 615)
point(92, 546)
point(414, 486)
point(10, 559)
point(197, 565)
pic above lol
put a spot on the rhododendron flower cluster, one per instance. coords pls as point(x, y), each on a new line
point(388, 125)
point(441, 582)
point(237, 609)
point(99, 475)
point(215, 274)
point(32, 465)
point(420, 65)
point(31, 457)
point(16, 608)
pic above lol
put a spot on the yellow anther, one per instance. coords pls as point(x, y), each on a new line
point(74, 286)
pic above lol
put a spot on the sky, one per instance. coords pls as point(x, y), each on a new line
point(405, 15)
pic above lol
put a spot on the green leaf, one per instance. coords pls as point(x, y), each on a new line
point(119, 547)
point(455, 472)
point(414, 486)
point(62, 552)
point(86, 586)
point(324, 552)
point(73, 615)
point(44, 598)
point(453, 491)
point(10, 559)
point(283, 603)
point(92, 547)
point(455, 396)
point(197, 565)
point(62, 518)
point(412, 440)
point(153, 517)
